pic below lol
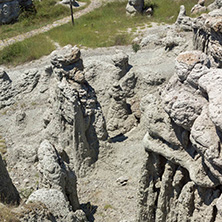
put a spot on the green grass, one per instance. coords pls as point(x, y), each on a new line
point(46, 12)
point(167, 10)
point(108, 206)
point(27, 50)
point(103, 27)
point(106, 26)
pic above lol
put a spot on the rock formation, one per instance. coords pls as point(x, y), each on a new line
point(59, 117)
point(207, 36)
point(10, 9)
point(75, 112)
point(134, 6)
point(215, 5)
point(69, 126)
point(199, 7)
point(183, 21)
point(114, 90)
point(181, 178)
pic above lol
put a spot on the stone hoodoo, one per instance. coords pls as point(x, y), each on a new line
point(75, 112)
point(182, 176)
point(57, 127)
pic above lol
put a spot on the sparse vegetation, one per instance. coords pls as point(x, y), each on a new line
point(26, 50)
point(47, 11)
point(3, 147)
point(25, 193)
point(106, 26)
point(167, 10)
point(136, 47)
point(108, 206)
point(7, 215)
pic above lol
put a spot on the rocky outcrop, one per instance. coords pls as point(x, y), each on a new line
point(181, 178)
point(183, 21)
point(114, 89)
point(56, 174)
point(215, 5)
point(207, 36)
point(75, 112)
point(69, 128)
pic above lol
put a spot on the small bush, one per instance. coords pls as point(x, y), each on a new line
point(108, 206)
point(135, 47)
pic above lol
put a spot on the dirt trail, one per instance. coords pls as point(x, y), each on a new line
point(6, 42)
point(111, 200)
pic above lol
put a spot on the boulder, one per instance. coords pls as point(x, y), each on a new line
point(56, 203)
point(183, 21)
point(55, 173)
point(134, 6)
point(9, 11)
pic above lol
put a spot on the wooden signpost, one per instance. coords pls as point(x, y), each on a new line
point(72, 17)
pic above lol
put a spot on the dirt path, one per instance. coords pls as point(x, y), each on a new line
point(113, 185)
point(6, 42)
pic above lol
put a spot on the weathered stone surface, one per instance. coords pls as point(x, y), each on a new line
point(215, 5)
point(9, 11)
point(55, 201)
point(187, 61)
point(182, 105)
point(134, 6)
point(198, 9)
point(11, 90)
point(207, 35)
point(183, 21)
point(115, 83)
point(77, 110)
point(211, 84)
point(181, 178)
point(55, 173)
point(168, 194)
point(68, 56)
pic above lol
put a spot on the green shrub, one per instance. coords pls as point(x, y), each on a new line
point(135, 47)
